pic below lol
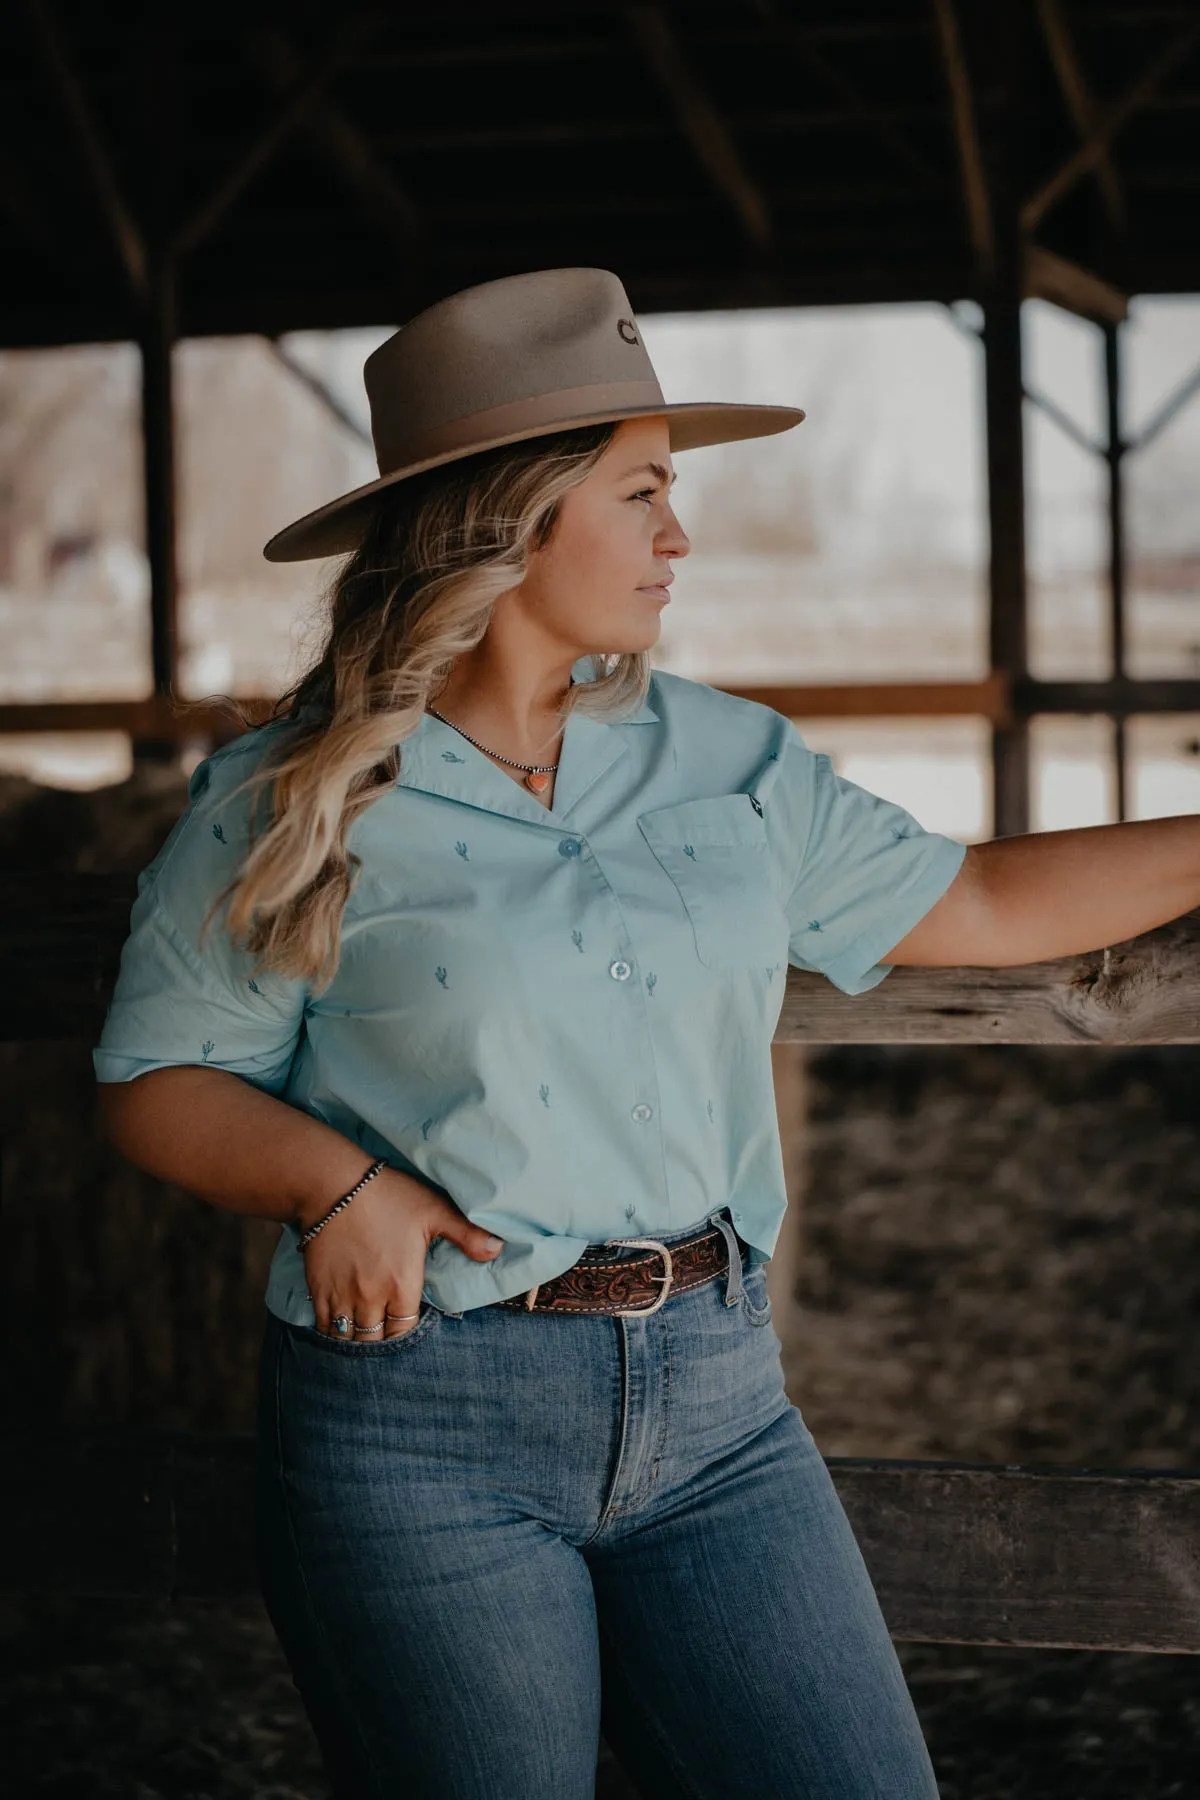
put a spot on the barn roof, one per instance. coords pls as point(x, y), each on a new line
point(318, 165)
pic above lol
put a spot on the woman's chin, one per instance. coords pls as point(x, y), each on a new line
point(636, 635)
point(644, 635)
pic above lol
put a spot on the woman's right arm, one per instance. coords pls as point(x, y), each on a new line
point(242, 1150)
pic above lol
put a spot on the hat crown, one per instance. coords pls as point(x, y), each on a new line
point(566, 334)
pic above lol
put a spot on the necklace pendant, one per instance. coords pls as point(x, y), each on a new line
point(537, 782)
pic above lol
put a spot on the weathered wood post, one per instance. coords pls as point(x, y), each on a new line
point(789, 1065)
point(157, 342)
point(1114, 456)
point(1003, 282)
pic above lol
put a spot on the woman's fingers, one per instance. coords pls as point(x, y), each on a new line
point(369, 1322)
point(454, 1224)
point(404, 1307)
point(360, 1313)
point(329, 1310)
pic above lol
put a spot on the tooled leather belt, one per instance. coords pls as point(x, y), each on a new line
point(602, 1283)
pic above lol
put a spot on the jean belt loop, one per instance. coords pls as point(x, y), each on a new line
point(733, 1278)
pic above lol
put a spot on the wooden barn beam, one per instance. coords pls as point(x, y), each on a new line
point(1080, 104)
point(123, 230)
point(1008, 601)
point(843, 198)
point(320, 391)
point(150, 276)
point(998, 698)
point(581, 44)
point(1174, 403)
point(61, 937)
point(1114, 457)
point(999, 48)
point(958, 1553)
point(699, 120)
point(288, 116)
point(159, 329)
point(966, 136)
point(1110, 121)
point(382, 200)
point(1065, 423)
point(190, 720)
point(512, 47)
point(533, 134)
point(820, 270)
point(799, 41)
point(1031, 697)
point(989, 699)
point(1075, 289)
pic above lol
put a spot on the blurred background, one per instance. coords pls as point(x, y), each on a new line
point(854, 549)
point(960, 234)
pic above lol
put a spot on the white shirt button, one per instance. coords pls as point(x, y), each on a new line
point(620, 971)
point(642, 1111)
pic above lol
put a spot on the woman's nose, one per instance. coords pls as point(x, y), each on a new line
point(673, 540)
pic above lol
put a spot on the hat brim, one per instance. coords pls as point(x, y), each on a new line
point(338, 526)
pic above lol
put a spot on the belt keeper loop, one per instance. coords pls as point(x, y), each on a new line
point(734, 1249)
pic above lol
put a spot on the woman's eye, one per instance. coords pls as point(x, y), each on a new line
point(643, 494)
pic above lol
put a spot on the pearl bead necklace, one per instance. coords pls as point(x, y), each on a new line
point(537, 774)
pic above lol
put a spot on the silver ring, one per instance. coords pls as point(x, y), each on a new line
point(365, 1330)
point(401, 1318)
point(343, 1325)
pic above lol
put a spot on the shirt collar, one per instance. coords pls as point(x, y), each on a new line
point(437, 759)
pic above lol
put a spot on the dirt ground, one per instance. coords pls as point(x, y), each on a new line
point(109, 1702)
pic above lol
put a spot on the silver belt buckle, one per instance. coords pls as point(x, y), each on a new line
point(641, 1243)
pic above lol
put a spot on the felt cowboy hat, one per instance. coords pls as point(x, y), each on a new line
point(509, 360)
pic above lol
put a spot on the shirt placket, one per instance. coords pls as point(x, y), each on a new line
point(642, 1103)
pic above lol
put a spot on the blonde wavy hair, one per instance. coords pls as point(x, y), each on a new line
point(439, 551)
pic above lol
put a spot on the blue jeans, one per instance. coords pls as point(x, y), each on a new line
point(485, 1541)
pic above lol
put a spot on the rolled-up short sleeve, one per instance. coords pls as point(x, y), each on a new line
point(867, 872)
point(179, 1000)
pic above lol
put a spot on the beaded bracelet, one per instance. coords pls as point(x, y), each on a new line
point(306, 1237)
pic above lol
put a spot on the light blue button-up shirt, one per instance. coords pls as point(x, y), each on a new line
point(559, 1017)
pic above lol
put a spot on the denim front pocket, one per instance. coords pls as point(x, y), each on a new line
point(756, 1298)
point(393, 1346)
point(716, 853)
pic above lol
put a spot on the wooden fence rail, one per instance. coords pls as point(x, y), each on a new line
point(61, 936)
point(1039, 1557)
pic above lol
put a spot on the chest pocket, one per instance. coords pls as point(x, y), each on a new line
point(716, 853)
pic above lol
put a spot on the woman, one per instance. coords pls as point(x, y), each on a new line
point(465, 969)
